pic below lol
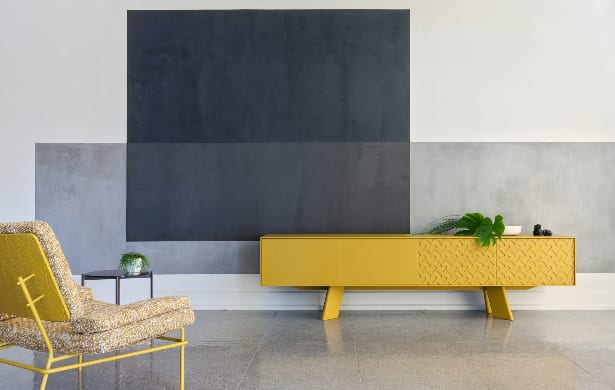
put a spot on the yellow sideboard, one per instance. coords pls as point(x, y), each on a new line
point(400, 261)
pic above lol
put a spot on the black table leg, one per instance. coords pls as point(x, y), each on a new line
point(117, 290)
point(118, 276)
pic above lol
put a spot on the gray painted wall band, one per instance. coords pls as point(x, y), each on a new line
point(567, 187)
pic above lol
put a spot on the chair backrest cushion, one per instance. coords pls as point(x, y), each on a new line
point(55, 258)
point(21, 255)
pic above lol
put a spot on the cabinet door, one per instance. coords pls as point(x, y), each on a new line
point(299, 262)
point(378, 261)
point(536, 262)
point(456, 262)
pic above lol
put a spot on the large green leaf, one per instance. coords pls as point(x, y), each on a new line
point(483, 232)
point(486, 231)
point(498, 226)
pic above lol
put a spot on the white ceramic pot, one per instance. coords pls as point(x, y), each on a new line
point(134, 268)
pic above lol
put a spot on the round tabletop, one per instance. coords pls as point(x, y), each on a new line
point(115, 273)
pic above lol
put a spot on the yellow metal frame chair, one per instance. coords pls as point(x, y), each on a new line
point(43, 309)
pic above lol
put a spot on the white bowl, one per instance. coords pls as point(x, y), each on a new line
point(512, 230)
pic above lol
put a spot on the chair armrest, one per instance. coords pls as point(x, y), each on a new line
point(85, 293)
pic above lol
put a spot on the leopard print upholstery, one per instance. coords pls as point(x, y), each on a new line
point(102, 316)
point(65, 339)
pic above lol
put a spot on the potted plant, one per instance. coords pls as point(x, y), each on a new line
point(132, 263)
point(487, 231)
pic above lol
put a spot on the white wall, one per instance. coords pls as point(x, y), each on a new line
point(481, 71)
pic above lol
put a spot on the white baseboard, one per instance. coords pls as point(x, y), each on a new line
point(243, 292)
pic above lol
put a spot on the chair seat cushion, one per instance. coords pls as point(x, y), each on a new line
point(65, 339)
point(102, 316)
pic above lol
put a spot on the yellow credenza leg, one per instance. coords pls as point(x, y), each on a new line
point(487, 303)
point(333, 301)
point(496, 296)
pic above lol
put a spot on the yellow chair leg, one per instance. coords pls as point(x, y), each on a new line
point(498, 302)
point(80, 371)
point(181, 361)
point(333, 301)
point(181, 368)
point(44, 381)
point(487, 303)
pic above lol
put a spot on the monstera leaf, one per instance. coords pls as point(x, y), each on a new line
point(486, 231)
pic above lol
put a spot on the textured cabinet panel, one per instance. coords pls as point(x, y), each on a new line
point(459, 262)
point(299, 262)
point(536, 262)
point(378, 262)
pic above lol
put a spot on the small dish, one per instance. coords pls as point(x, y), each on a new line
point(512, 230)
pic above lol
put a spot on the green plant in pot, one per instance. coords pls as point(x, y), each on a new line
point(485, 230)
point(132, 263)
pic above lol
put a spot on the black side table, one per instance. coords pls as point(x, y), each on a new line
point(118, 275)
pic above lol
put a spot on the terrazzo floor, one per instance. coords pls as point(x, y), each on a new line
point(364, 350)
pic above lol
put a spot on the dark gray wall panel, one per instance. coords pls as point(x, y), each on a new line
point(230, 191)
point(263, 76)
point(567, 187)
point(81, 192)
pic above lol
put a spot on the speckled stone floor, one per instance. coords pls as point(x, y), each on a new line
point(365, 350)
